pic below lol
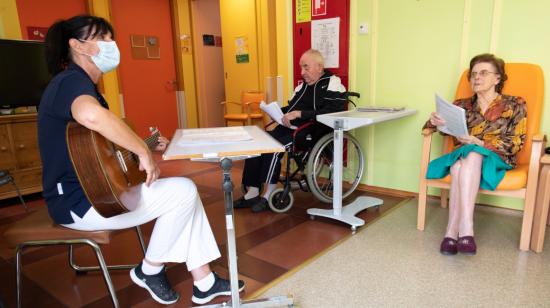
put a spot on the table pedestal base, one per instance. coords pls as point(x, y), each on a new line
point(235, 302)
point(348, 212)
point(275, 301)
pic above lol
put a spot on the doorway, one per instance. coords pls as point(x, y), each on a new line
point(209, 66)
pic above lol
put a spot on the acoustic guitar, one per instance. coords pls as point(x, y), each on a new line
point(105, 170)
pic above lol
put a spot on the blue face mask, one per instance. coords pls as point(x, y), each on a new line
point(108, 57)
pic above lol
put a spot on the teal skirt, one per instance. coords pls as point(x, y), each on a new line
point(493, 167)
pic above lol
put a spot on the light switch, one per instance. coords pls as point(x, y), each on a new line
point(363, 28)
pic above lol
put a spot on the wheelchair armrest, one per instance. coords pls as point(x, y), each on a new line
point(301, 128)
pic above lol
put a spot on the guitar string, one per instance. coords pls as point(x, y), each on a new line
point(150, 141)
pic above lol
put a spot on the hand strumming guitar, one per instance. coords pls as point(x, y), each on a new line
point(148, 164)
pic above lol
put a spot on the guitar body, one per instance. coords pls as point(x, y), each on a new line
point(105, 172)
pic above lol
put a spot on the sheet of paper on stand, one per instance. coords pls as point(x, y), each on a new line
point(379, 109)
point(274, 111)
point(454, 116)
point(214, 136)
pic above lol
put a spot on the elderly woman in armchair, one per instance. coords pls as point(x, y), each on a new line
point(496, 125)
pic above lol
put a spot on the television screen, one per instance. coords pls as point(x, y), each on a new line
point(23, 73)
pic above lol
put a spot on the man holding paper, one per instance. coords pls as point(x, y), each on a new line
point(496, 127)
point(320, 92)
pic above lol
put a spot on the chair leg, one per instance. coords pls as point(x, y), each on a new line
point(104, 269)
point(18, 252)
point(444, 198)
point(102, 265)
point(421, 218)
point(527, 223)
point(140, 238)
point(19, 195)
point(85, 269)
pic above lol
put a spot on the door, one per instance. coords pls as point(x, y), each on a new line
point(143, 31)
point(240, 47)
point(209, 68)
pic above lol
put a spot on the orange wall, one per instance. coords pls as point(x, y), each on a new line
point(45, 13)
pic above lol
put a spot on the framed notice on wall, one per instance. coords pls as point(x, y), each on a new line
point(241, 49)
point(325, 37)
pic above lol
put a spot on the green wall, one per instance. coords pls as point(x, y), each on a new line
point(416, 48)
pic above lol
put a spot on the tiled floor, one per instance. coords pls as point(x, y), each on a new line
point(268, 245)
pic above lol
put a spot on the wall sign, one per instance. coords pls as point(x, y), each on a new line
point(208, 40)
point(325, 37)
point(145, 47)
point(241, 49)
point(37, 33)
point(319, 7)
point(303, 11)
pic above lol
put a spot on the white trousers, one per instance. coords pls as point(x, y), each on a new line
point(181, 233)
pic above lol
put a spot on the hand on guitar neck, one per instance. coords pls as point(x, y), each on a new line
point(162, 142)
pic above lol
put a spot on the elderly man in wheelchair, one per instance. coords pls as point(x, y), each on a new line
point(320, 92)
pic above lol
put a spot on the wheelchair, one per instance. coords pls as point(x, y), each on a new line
point(314, 167)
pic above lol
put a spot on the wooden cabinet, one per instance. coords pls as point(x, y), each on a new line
point(19, 154)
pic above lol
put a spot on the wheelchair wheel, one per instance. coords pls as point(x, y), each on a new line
point(320, 167)
point(279, 204)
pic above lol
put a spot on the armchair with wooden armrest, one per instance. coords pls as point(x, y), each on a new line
point(250, 108)
point(525, 80)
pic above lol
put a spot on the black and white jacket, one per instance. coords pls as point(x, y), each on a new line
point(325, 96)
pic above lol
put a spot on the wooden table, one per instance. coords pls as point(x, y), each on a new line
point(541, 217)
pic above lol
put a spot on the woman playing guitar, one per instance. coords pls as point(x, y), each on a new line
point(79, 51)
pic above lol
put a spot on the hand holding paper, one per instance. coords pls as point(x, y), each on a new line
point(274, 111)
point(454, 117)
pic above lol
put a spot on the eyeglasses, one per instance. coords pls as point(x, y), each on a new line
point(482, 73)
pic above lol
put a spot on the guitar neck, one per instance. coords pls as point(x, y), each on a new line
point(153, 140)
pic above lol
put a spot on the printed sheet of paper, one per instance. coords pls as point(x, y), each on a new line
point(325, 37)
point(215, 135)
point(454, 116)
point(274, 111)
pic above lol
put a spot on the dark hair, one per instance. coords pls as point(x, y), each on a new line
point(80, 27)
point(498, 63)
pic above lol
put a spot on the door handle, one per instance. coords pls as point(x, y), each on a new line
point(171, 85)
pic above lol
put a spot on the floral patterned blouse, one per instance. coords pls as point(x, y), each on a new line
point(502, 127)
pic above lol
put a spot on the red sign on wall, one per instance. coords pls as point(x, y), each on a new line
point(319, 7)
point(37, 33)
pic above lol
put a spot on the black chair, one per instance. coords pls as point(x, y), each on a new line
point(5, 178)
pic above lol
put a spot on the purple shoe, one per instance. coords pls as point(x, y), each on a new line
point(467, 245)
point(448, 246)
